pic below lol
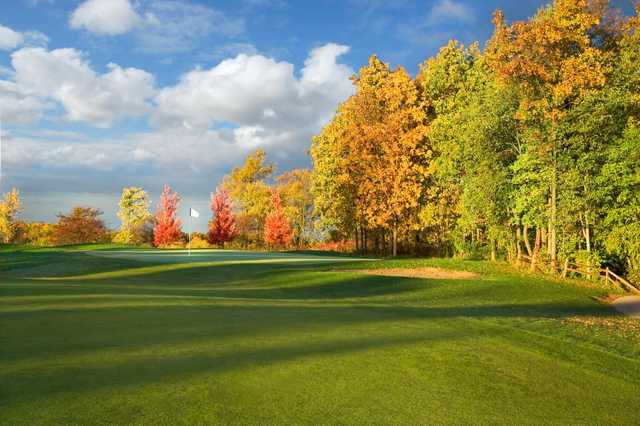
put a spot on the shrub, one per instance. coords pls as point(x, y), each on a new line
point(35, 234)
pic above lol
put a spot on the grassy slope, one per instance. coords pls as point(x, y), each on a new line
point(115, 340)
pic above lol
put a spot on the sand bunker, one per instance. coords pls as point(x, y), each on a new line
point(425, 272)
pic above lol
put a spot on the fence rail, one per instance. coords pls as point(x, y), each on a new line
point(588, 271)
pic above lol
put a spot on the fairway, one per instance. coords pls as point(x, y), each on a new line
point(118, 336)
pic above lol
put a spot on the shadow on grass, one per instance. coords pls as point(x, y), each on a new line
point(184, 337)
point(144, 370)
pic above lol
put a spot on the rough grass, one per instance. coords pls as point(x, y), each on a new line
point(117, 337)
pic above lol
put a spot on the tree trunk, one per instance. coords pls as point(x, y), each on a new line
point(518, 247)
point(552, 223)
point(493, 250)
point(525, 237)
point(364, 241)
point(587, 234)
point(395, 240)
point(357, 240)
point(536, 249)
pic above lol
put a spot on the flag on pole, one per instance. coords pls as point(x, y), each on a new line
point(194, 213)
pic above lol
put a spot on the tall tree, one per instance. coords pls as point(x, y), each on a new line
point(554, 60)
point(334, 180)
point(446, 89)
point(134, 215)
point(9, 207)
point(249, 189)
point(168, 226)
point(295, 189)
point(277, 230)
point(222, 226)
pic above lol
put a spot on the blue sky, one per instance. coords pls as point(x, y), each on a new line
point(99, 94)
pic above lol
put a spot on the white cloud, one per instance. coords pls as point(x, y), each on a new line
point(10, 39)
point(201, 127)
point(19, 106)
point(65, 76)
point(251, 90)
point(107, 17)
point(449, 10)
point(258, 101)
point(158, 26)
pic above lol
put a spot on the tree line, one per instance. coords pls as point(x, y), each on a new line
point(528, 147)
point(251, 208)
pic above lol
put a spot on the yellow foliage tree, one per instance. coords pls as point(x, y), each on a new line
point(9, 207)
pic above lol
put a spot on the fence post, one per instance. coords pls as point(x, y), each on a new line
point(606, 276)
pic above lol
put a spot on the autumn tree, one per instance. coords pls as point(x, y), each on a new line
point(222, 226)
point(168, 226)
point(135, 217)
point(334, 181)
point(9, 207)
point(554, 60)
point(35, 233)
point(295, 189)
point(81, 226)
point(277, 230)
point(250, 192)
point(379, 135)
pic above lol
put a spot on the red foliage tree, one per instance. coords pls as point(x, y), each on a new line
point(167, 229)
point(277, 230)
point(222, 226)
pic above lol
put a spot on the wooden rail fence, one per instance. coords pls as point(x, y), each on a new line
point(588, 271)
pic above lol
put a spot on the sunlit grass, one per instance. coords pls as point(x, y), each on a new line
point(120, 340)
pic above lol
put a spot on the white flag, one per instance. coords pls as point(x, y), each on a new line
point(194, 213)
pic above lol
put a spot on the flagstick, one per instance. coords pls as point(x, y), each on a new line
point(189, 232)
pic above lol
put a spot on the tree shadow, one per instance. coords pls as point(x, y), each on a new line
point(140, 371)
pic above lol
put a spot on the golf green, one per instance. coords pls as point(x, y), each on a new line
point(118, 336)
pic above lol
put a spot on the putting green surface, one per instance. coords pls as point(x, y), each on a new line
point(221, 337)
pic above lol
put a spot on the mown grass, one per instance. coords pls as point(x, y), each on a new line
point(110, 337)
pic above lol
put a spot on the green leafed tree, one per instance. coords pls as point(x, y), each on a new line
point(136, 219)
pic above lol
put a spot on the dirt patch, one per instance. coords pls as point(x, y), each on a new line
point(425, 272)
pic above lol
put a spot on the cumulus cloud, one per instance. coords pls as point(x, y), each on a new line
point(18, 105)
point(64, 75)
point(10, 39)
point(200, 127)
point(108, 17)
point(253, 90)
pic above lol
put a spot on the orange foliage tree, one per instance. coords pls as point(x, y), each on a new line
point(222, 227)
point(167, 230)
point(277, 230)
